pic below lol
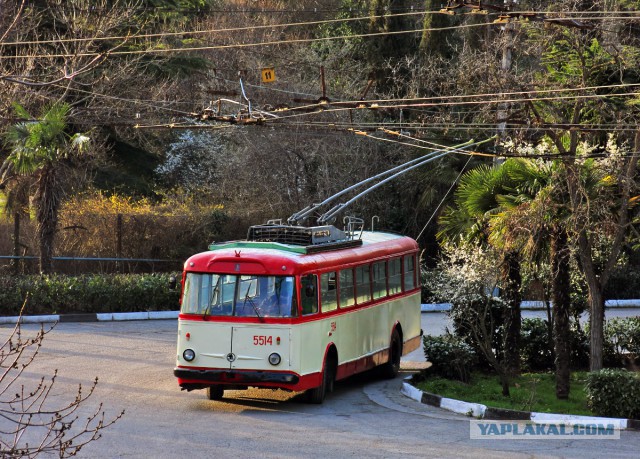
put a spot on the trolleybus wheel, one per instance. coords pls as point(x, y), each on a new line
point(215, 392)
point(317, 394)
point(391, 369)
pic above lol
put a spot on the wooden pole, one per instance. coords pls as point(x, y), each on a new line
point(16, 243)
point(118, 240)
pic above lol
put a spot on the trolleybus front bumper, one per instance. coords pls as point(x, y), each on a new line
point(189, 376)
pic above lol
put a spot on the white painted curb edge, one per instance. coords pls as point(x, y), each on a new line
point(477, 410)
point(470, 409)
point(411, 391)
point(572, 419)
point(30, 319)
point(101, 317)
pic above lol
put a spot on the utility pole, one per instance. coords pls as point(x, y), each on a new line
point(508, 30)
point(505, 68)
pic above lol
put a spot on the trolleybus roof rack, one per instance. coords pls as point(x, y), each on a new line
point(314, 238)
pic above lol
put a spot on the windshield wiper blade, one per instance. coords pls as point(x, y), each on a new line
point(253, 305)
point(210, 303)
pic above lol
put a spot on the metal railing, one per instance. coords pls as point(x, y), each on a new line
point(18, 263)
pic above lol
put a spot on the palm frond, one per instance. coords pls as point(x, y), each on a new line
point(21, 112)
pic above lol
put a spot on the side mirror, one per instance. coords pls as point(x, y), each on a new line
point(173, 283)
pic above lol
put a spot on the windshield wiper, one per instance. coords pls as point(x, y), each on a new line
point(253, 305)
point(213, 294)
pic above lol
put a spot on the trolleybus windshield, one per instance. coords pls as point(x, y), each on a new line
point(242, 296)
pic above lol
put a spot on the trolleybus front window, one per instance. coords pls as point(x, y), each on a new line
point(212, 295)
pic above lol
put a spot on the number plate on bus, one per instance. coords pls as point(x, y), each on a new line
point(261, 340)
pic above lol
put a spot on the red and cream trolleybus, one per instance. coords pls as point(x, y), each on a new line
point(297, 308)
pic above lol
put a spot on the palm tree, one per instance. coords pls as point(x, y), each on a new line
point(479, 201)
point(538, 213)
point(520, 207)
point(39, 148)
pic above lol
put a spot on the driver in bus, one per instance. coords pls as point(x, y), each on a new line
point(269, 304)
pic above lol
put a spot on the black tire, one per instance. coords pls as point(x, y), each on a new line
point(391, 369)
point(215, 392)
point(318, 394)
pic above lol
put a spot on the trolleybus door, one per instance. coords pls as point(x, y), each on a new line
point(251, 348)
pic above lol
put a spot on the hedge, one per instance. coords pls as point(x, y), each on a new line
point(91, 293)
point(451, 357)
point(614, 393)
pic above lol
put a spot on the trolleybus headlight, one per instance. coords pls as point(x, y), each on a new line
point(274, 359)
point(189, 355)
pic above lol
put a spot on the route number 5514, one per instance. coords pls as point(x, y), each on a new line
point(261, 340)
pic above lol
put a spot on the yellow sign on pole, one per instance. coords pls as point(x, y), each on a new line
point(268, 75)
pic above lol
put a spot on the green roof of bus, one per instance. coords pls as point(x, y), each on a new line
point(368, 237)
point(258, 245)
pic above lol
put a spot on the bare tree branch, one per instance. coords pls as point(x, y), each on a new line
point(33, 423)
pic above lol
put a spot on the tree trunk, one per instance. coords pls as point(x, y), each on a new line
point(596, 329)
point(596, 303)
point(48, 202)
point(504, 383)
point(596, 281)
point(512, 296)
point(561, 304)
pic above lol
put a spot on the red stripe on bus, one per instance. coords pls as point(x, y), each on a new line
point(308, 381)
point(295, 320)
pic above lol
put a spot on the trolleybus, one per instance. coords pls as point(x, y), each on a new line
point(297, 308)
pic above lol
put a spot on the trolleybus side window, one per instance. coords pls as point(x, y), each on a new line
point(409, 272)
point(347, 297)
point(363, 284)
point(309, 294)
point(190, 303)
point(328, 292)
point(379, 280)
point(395, 276)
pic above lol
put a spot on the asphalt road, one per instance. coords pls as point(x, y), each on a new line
point(364, 417)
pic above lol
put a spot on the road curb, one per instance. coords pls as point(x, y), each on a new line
point(480, 411)
point(93, 317)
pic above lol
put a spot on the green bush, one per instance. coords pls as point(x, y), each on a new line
point(536, 347)
point(579, 340)
point(465, 317)
point(622, 338)
point(614, 393)
point(451, 358)
point(58, 294)
point(624, 283)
